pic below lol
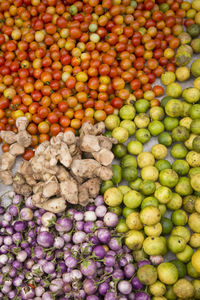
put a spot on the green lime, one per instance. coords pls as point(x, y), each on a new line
point(132, 199)
point(186, 254)
point(124, 189)
point(127, 211)
point(164, 100)
point(195, 111)
point(127, 112)
point(170, 123)
point(165, 139)
point(111, 122)
point(181, 167)
point(135, 185)
point(189, 203)
point(180, 134)
point(121, 134)
point(162, 164)
point(179, 151)
point(142, 105)
point(149, 201)
point(179, 217)
point(175, 202)
point(176, 243)
point(183, 186)
point(117, 174)
point(156, 127)
point(167, 273)
point(128, 161)
point(191, 271)
point(119, 150)
point(128, 125)
point(150, 215)
point(174, 108)
point(167, 225)
point(154, 245)
point(129, 173)
point(147, 274)
point(117, 210)
point(168, 177)
point(134, 147)
point(195, 126)
point(163, 194)
point(121, 226)
point(174, 90)
point(143, 135)
point(147, 187)
point(196, 144)
point(181, 267)
point(195, 68)
point(105, 185)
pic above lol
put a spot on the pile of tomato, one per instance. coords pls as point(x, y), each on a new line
point(66, 62)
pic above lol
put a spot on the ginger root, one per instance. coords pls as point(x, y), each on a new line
point(7, 160)
point(8, 136)
point(6, 177)
point(65, 169)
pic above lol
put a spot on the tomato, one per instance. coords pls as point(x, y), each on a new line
point(5, 147)
point(52, 118)
point(28, 154)
point(55, 129)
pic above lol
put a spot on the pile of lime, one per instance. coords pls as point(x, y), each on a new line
point(145, 185)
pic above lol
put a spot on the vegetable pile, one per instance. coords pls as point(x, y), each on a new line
point(77, 89)
point(75, 255)
point(66, 62)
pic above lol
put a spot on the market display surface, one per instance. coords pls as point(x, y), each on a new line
point(100, 160)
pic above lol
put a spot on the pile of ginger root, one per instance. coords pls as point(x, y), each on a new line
point(66, 169)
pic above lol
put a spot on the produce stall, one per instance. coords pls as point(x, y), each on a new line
point(100, 159)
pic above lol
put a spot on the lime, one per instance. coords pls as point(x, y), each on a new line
point(147, 274)
point(176, 243)
point(185, 255)
point(149, 201)
point(129, 173)
point(106, 185)
point(134, 147)
point(179, 217)
point(121, 226)
point(133, 221)
point(132, 199)
point(117, 174)
point(150, 215)
point(167, 273)
point(121, 134)
point(113, 197)
point(135, 185)
point(183, 288)
point(119, 150)
point(134, 239)
point(147, 187)
point(196, 260)
point(127, 211)
point(111, 122)
point(128, 161)
point(128, 125)
point(167, 225)
point(127, 112)
point(181, 267)
point(162, 164)
point(168, 178)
